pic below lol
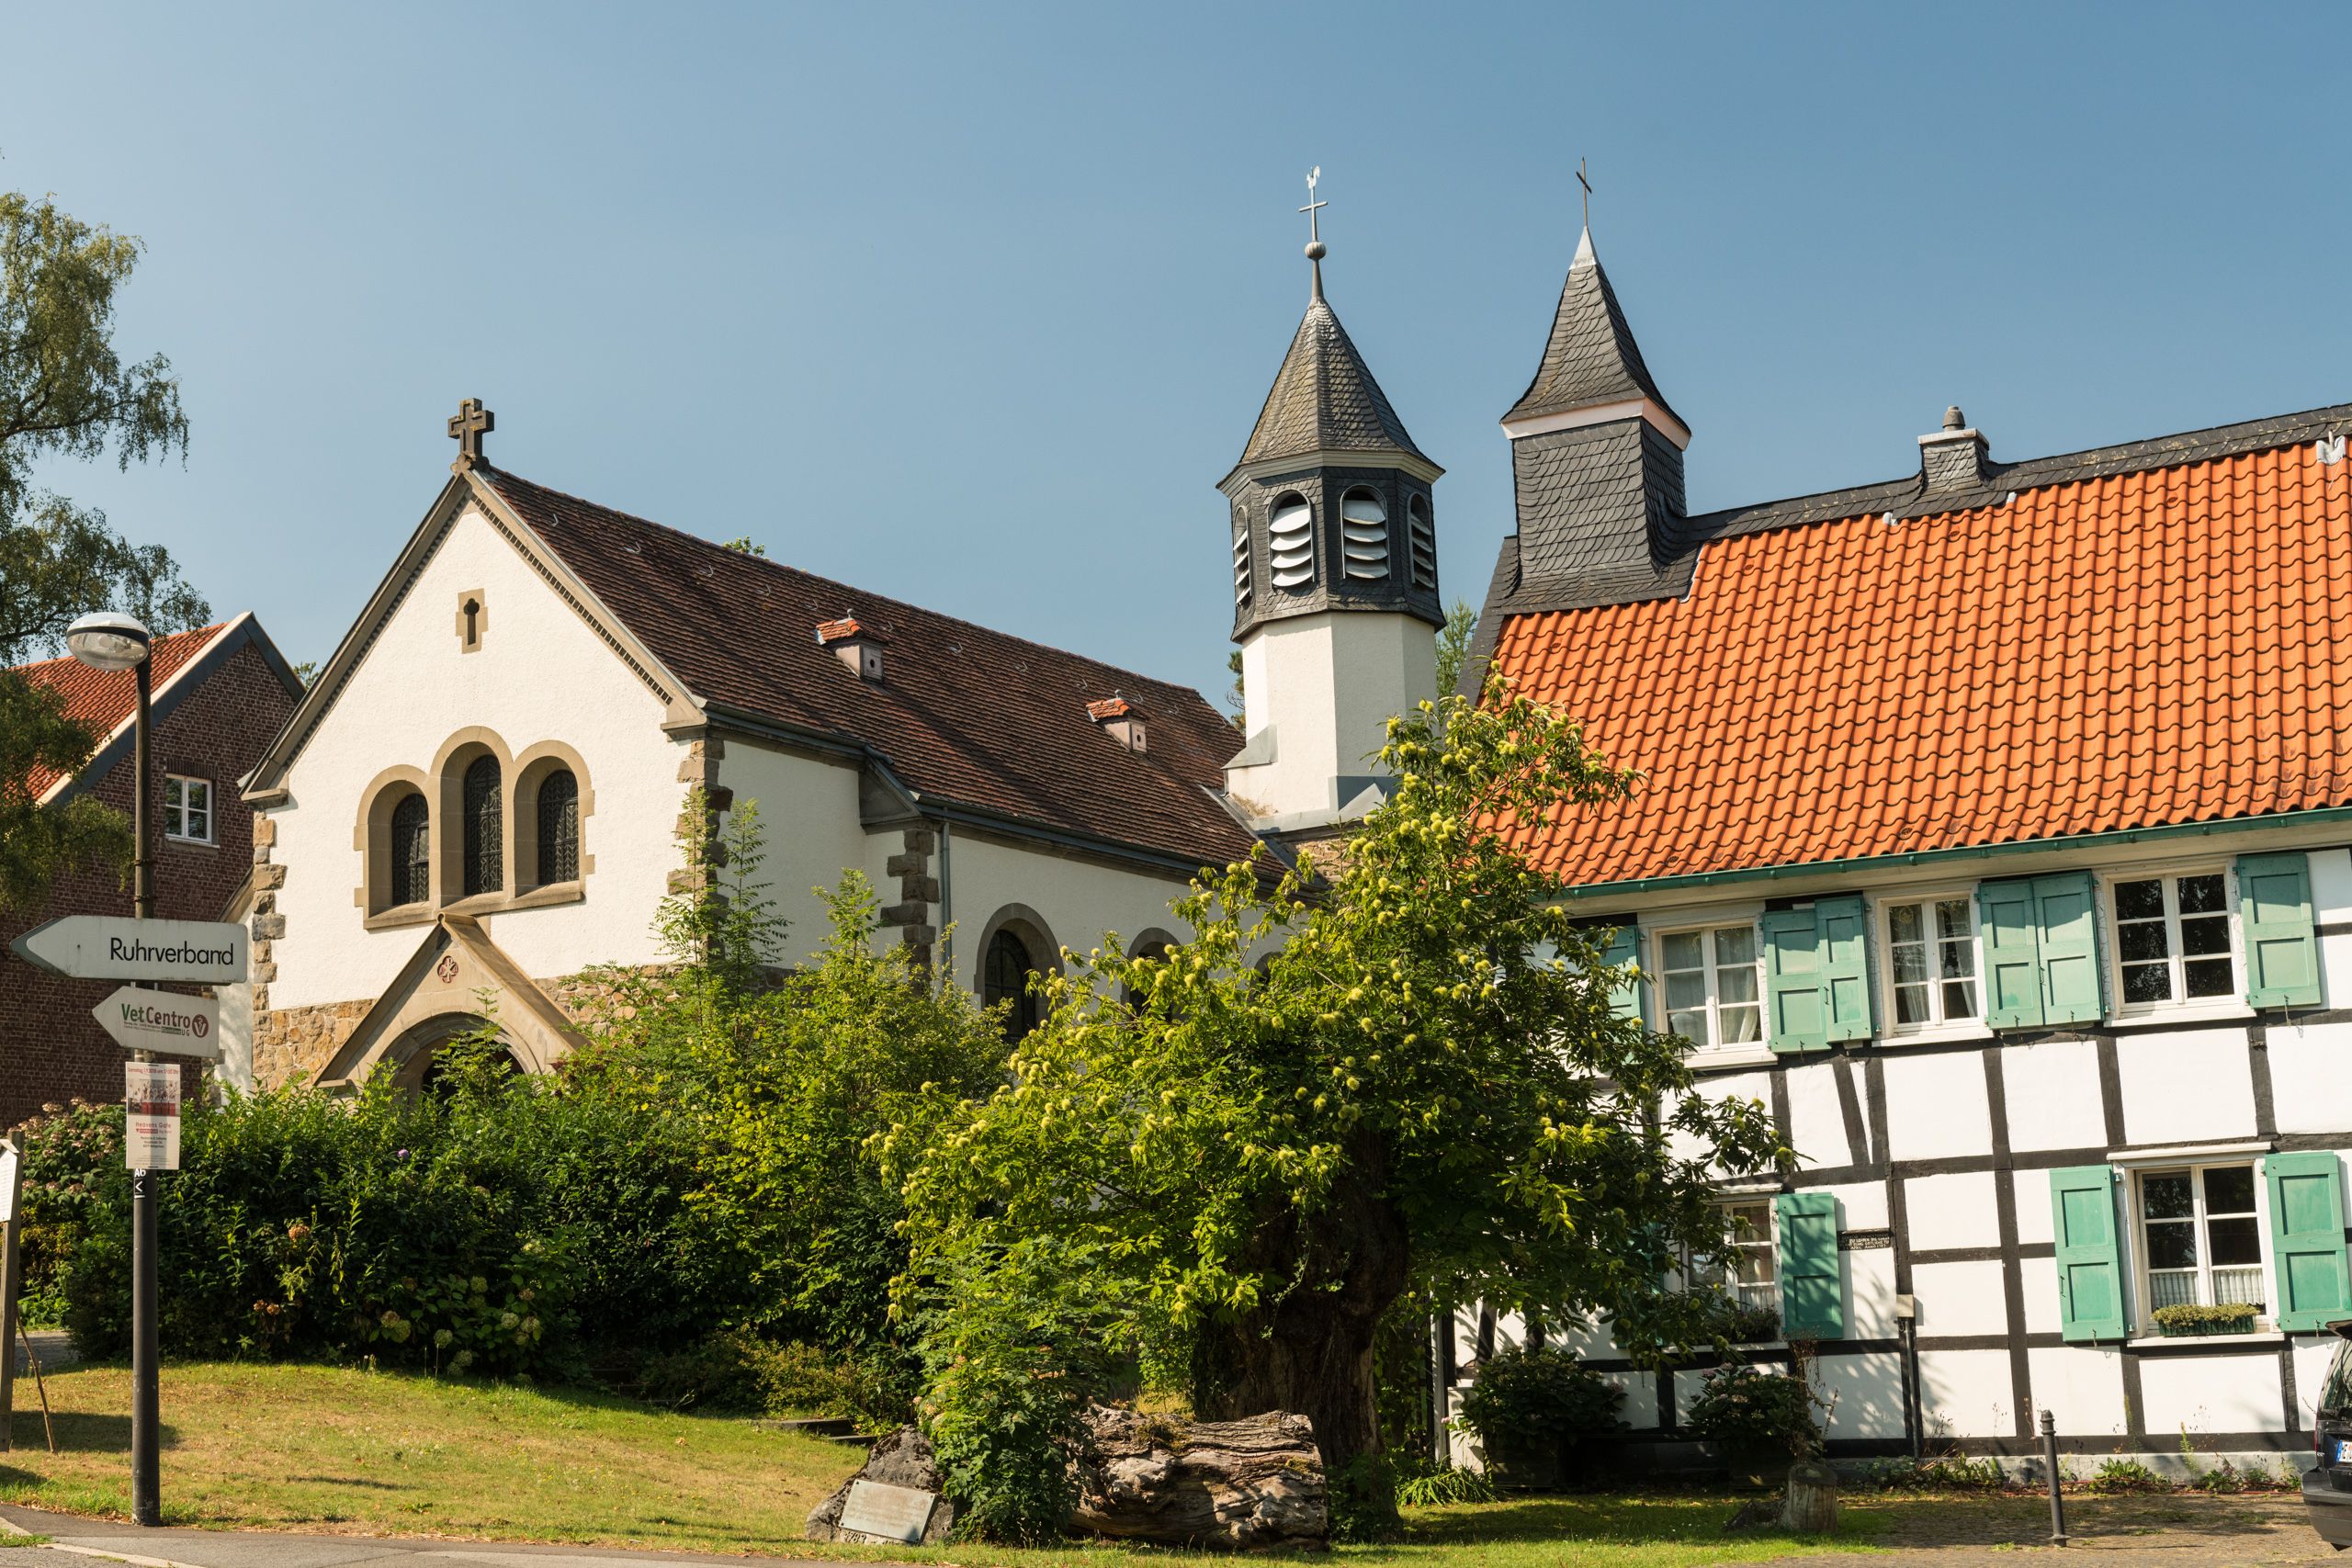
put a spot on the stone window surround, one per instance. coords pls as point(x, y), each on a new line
point(470, 637)
point(1034, 935)
point(443, 786)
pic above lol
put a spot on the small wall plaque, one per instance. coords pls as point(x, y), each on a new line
point(879, 1512)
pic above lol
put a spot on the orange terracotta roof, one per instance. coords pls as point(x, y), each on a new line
point(2126, 651)
point(842, 630)
point(1110, 708)
point(103, 701)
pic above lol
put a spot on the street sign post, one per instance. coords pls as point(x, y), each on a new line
point(107, 947)
point(150, 1099)
point(159, 1020)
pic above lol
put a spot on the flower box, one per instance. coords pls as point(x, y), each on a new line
point(2195, 1322)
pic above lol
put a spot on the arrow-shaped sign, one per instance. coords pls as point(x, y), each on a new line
point(109, 947)
point(159, 1020)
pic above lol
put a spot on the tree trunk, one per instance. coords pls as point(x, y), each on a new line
point(1810, 1507)
point(1309, 1349)
point(1242, 1484)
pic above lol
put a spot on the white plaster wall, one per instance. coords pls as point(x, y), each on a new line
point(2034, 1216)
point(1951, 1211)
point(1817, 1124)
point(235, 1067)
point(2313, 1355)
point(1960, 1298)
point(1078, 900)
point(809, 819)
point(2080, 1385)
point(1327, 683)
point(1965, 1394)
point(539, 674)
point(1861, 1206)
point(2038, 1277)
point(1869, 1294)
point(2184, 1084)
point(1864, 1393)
point(2309, 1086)
point(2051, 1092)
point(2210, 1394)
point(1640, 1409)
point(1936, 1106)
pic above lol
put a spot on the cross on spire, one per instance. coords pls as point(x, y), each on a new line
point(1588, 194)
point(466, 427)
point(1315, 249)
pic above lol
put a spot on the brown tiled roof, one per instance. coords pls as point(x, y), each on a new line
point(964, 715)
point(101, 700)
point(2130, 640)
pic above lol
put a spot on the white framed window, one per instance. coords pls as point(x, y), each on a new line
point(1930, 959)
point(1753, 1277)
point(2200, 1235)
point(1711, 981)
point(187, 809)
point(2174, 941)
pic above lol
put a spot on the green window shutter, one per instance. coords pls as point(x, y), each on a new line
point(1625, 952)
point(2066, 910)
point(2307, 1241)
point(1846, 966)
point(2281, 945)
point(1796, 1018)
point(1812, 1298)
point(2012, 954)
point(2090, 1264)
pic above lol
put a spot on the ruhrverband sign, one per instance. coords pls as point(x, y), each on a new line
point(109, 947)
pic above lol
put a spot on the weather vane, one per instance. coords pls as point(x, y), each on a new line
point(1315, 249)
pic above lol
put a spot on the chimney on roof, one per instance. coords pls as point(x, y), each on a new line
point(1120, 719)
point(858, 647)
point(1952, 459)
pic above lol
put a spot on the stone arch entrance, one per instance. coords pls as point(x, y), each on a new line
point(413, 1059)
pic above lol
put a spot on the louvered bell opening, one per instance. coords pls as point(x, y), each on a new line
point(1363, 527)
point(1422, 536)
point(1242, 571)
point(1291, 537)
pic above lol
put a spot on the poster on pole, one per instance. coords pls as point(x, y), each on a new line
point(150, 1098)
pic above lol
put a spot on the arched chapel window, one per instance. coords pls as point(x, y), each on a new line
point(484, 812)
point(559, 824)
point(411, 879)
point(1004, 976)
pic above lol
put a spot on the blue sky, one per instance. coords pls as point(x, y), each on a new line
point(973, 305)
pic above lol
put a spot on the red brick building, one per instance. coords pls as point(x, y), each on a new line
point(220, 695)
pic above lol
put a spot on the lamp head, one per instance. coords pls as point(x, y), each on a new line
point(107, 640)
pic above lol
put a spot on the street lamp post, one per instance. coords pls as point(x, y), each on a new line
point(110, 641)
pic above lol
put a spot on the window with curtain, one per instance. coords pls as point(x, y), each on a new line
point(1712, 997)
point(1004, 976)
point(2202, 1237)
point(558, 823)
point(484, 811)
point(410, 878)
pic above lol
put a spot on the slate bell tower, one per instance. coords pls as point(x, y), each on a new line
point(1335, 591)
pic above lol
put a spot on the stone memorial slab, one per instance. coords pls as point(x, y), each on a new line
point(878, 1512)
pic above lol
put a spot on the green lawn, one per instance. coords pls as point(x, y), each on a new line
point(379, 1453)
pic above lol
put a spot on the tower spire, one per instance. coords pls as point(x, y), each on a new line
point(1316, 250)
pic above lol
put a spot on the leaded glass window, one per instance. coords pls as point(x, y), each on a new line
point(485, 817)
point(558, 819)
point(411, 881)
point(1004, 976)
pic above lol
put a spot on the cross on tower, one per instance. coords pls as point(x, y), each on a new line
point(466, 427)
point(1588, 193)
point(1314, 233)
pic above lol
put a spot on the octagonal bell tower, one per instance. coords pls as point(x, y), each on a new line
point(1335, 591)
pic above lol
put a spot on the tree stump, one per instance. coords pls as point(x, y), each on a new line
point(1240, 1485)
point(1811, 1507)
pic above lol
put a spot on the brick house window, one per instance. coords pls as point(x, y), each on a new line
point(187, 809)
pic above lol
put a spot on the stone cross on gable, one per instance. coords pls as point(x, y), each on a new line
point(466, 427)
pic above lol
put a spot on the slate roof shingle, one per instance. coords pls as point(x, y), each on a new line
point(964, 715)
point(2146, 636)
point(1591, 358)
point(1324, 398)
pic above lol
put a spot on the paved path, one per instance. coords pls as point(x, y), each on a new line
point(74, 1538)
point(2166, 1531)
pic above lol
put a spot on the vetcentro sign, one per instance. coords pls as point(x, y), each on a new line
point(158, 1021)
point(106, 947)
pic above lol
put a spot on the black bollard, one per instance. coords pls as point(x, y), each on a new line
point(2049, 1460)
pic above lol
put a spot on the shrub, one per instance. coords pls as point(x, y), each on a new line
point(2195, 1316)
point(1445, 1488)
point(2120, 1474)
point(735, 1372)
point(1751, 1411)
point(1532, 1406)
point(1950, 1472)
